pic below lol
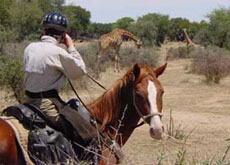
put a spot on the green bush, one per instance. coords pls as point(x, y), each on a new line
point(11, 74)
point(213, 63)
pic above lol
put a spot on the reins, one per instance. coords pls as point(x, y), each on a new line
point(75, 92)
point(95, 81)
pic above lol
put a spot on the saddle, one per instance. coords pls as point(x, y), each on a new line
point(25, 115)
point(45, 145)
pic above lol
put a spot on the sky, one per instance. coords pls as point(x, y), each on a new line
point(109, 11)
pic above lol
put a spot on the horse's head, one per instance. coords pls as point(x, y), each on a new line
point(147, 97)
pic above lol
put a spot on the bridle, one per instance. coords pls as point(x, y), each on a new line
point(144, 117)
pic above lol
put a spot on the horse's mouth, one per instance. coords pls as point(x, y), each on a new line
point(156, 133)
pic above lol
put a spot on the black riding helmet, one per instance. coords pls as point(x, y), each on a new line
point(55, 20)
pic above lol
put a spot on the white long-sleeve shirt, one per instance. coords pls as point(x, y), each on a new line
point(46, 66)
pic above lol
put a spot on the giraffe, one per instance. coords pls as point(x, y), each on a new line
point(188, 40)
point(113, 40)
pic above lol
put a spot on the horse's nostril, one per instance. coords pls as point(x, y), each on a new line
point(152, 131)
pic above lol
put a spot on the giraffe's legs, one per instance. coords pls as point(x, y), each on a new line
point(98, 59)
point(116, 65)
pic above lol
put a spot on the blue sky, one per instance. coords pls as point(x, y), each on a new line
point(108, 11)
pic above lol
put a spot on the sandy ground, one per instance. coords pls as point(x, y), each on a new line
point(199, 109)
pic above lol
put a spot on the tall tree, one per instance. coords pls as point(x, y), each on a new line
point(46, 5)
point(176, 25)
point(25, 18)
point(98, 29)
point(123, 23)
point(58, 4)
point(220, 27)
point(4, 12)
point(152, 28)
point(79, 19)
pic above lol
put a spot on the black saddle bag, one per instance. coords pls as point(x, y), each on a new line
point(47, 146)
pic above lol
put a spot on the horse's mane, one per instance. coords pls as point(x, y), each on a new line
point(106, 108)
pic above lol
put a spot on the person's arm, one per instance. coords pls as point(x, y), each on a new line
point(72, 62)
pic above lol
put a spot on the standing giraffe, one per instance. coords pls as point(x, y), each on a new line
point(113, 40)
point(188, 40)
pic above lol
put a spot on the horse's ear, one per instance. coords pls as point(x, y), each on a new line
point(160, 70)
point(136, 70)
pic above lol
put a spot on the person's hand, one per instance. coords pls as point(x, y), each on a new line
point(68, 40)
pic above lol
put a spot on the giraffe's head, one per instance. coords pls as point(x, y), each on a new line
point(139, 44)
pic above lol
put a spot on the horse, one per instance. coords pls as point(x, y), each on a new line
point(137, 95)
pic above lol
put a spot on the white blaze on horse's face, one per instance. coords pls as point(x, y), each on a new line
point(156, 127)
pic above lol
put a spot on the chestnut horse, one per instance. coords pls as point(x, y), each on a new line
point(137, 95)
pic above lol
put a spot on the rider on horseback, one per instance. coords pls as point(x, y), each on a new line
point(47, 66)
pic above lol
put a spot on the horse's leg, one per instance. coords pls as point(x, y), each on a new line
point(8, 147)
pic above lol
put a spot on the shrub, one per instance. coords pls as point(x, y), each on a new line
point(131, 55)
point(180, 52)
point(88, 53)
point(11, 74)
point(213, 63)
point(175, 53)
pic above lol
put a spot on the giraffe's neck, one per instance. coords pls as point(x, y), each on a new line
point(128, 34)
point(186, 36)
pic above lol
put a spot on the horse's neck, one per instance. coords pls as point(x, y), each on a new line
point(115, 108)
point(128, 124)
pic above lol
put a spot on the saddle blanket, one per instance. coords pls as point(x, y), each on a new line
point(21, 135)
